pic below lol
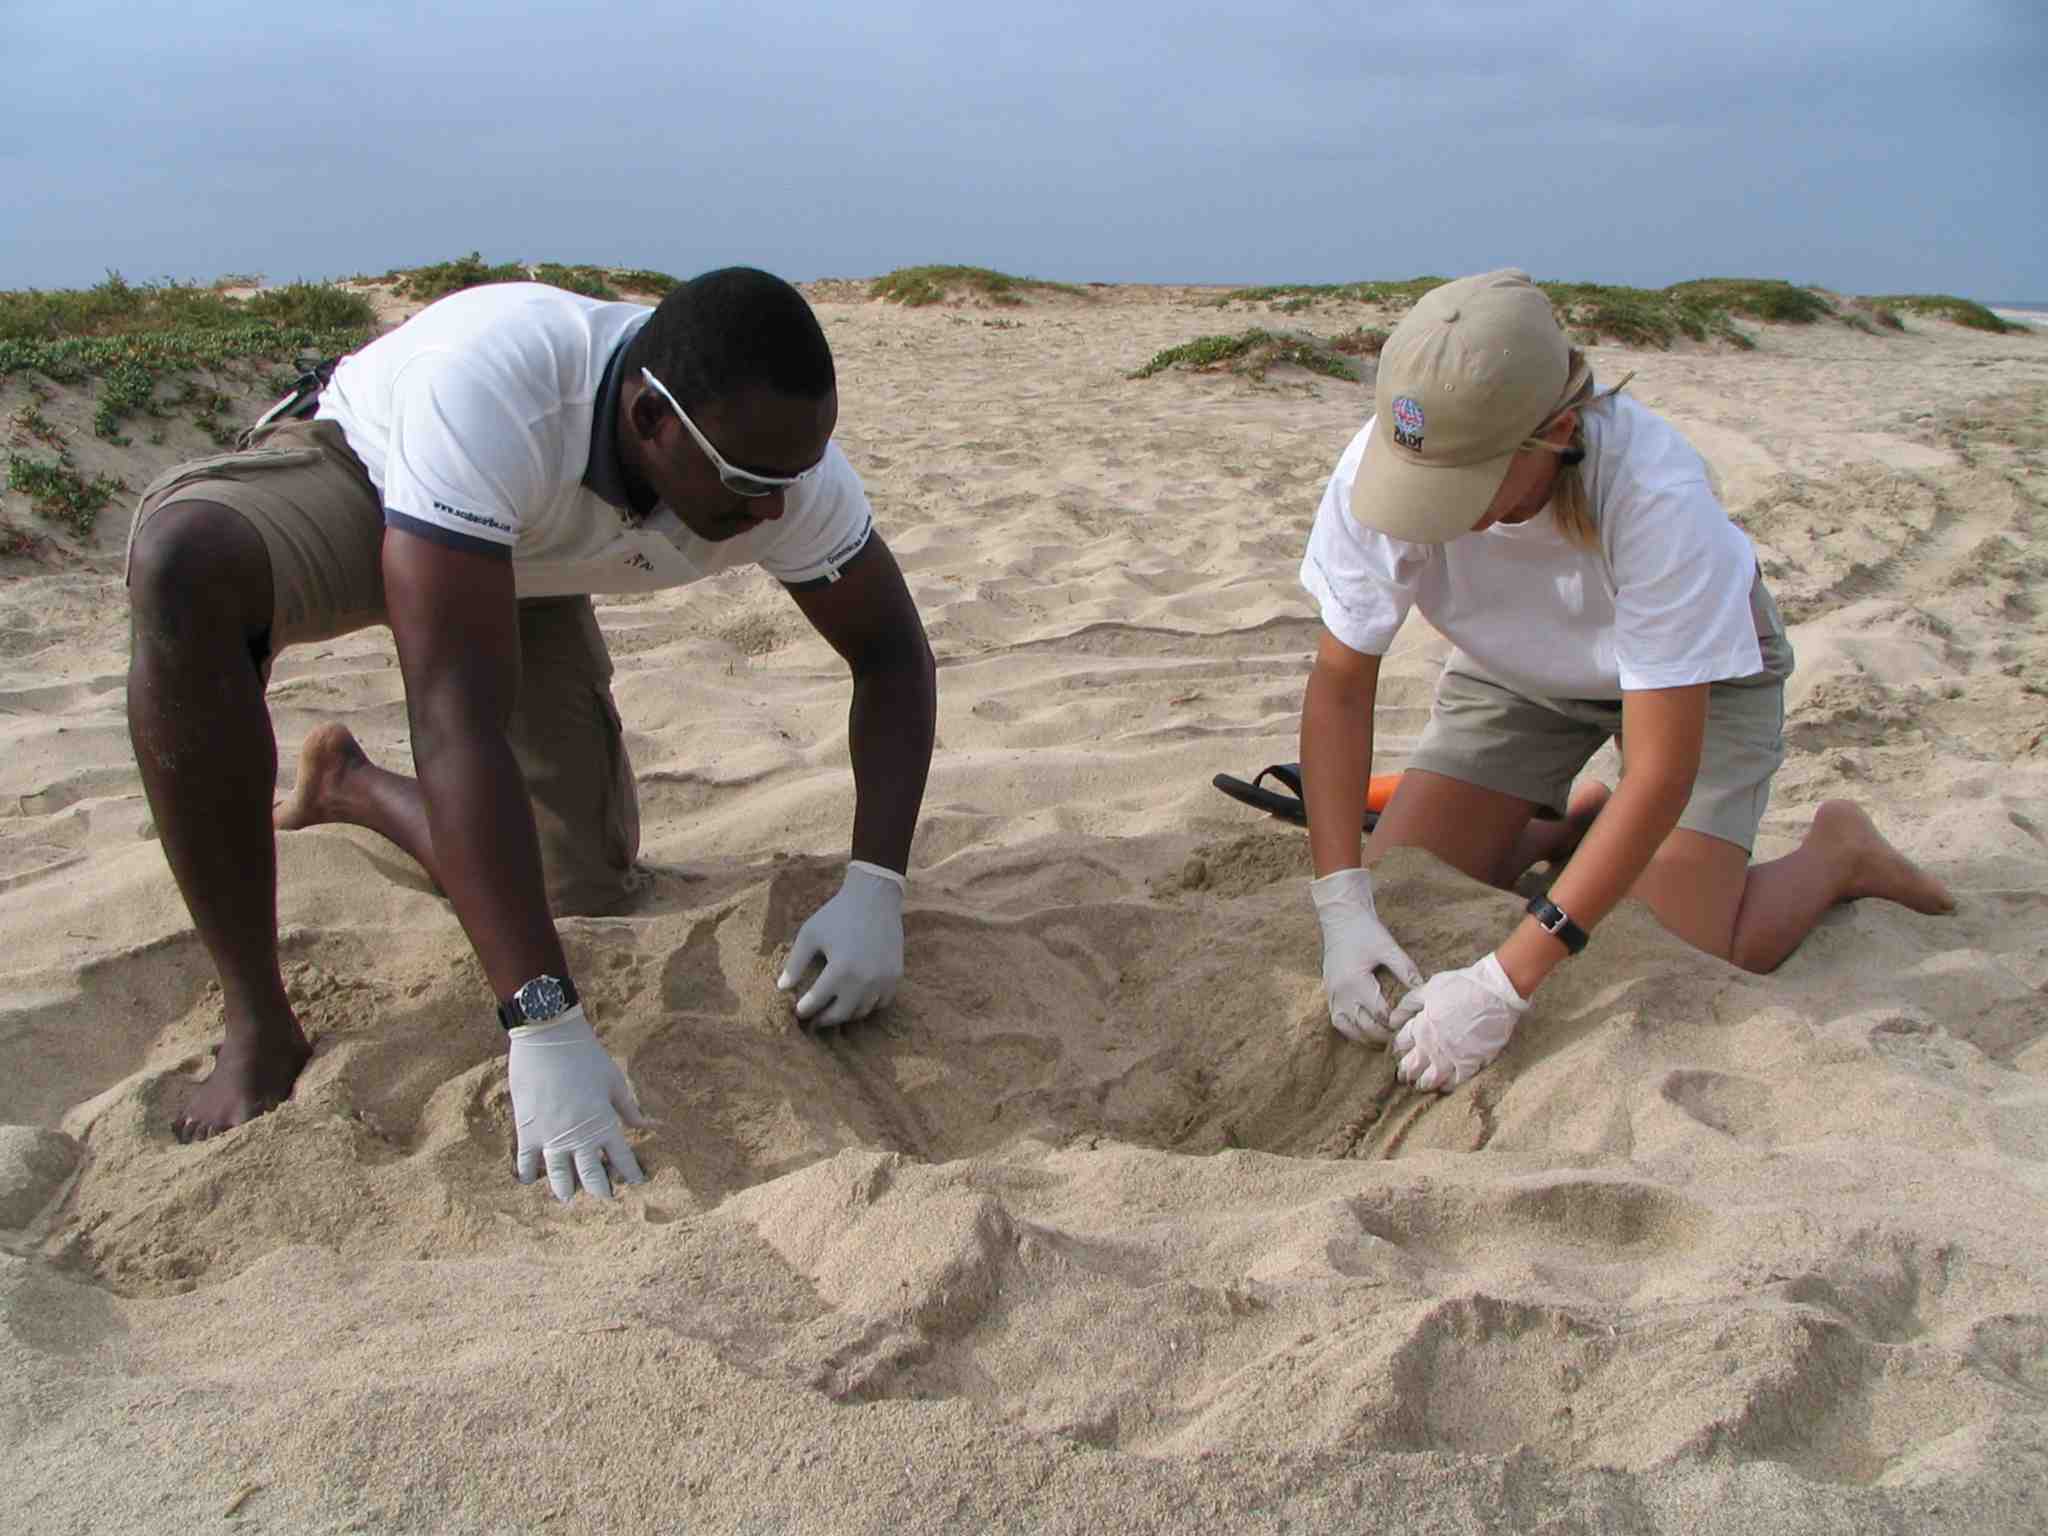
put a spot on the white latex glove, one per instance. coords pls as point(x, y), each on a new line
point(859, 932)
point(1355, 941)
point(568, 1097)
point(1455, 1023)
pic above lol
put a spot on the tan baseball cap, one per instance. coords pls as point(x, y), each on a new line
point(1468, 374)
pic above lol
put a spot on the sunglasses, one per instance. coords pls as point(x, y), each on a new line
point(740, 482)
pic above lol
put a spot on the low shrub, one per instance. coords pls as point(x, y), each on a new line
point(914, 287)
point(588, 281)
point(1946, 306)
point(442, 278)
point(58, 492)
point(1251, 353)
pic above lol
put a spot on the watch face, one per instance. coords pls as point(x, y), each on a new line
point(541, 999)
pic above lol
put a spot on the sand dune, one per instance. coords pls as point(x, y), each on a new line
point(1099, 1227)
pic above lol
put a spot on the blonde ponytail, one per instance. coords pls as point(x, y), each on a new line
point(1571, 503)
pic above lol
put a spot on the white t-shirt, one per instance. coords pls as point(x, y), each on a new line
point(1662, 603)
point(487, 421)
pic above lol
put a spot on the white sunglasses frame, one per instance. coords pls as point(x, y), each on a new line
point(751, 485)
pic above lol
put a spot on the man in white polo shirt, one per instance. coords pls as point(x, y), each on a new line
point(469, 480)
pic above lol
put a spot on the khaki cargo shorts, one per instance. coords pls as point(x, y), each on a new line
point(322, 522)
point(1481, 733)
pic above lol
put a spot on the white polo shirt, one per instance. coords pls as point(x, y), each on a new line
point(1663, 602)
point(487, 421)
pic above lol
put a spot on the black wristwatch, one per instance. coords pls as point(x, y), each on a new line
point(541, 999)
point(1557, 923)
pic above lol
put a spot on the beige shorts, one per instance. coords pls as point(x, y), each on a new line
point(321, 520)
point(1482, 733)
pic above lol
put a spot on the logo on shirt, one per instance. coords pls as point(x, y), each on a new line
point(1408, 422)
point(851, 547)
point(482, 520)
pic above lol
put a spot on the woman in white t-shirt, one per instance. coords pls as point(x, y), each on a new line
point(1570, 544)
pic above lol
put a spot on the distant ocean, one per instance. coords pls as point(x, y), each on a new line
point(2031, 307)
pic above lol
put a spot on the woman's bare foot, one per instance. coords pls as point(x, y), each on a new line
point(1875, 867)
point(250, 1077)
point(1552, 841)
point(328, 757)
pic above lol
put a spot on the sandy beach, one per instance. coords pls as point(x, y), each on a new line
point(1100, 1227)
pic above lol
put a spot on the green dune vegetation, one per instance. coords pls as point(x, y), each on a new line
point(1702, 310)
point(1250, 353)
point(149, 351)
point(73, 333)
point(915, 287)
point(1946, 306)
point(145, 357)
point(58, 492)
point(441, 278)
point(1291, 298)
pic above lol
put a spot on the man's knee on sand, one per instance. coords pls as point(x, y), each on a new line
point(569, 741)
point(594, 892)
point(586, 810)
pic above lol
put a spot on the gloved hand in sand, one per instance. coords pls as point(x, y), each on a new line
point(1355, 941)
point(571, 1103)
point(1455, 1023)
point(859, 934)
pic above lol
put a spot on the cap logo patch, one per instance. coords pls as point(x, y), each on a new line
point(1408, 422)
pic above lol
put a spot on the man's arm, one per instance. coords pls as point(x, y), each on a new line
point(869, 618)
point(455, 618)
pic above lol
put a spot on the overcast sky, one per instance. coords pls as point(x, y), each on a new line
point(1872, 146)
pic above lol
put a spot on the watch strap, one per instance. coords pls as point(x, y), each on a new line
point(1556, 922)
point(511, 1016)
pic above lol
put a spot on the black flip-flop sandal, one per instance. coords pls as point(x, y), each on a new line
point(1288, 807)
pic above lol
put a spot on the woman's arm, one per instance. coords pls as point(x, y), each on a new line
point(1336, 762)
point(1662, 730)
point(1336, 751)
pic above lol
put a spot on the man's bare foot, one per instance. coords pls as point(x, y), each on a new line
point(1876, 867)
point(247, 1080)
point(328, 757)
